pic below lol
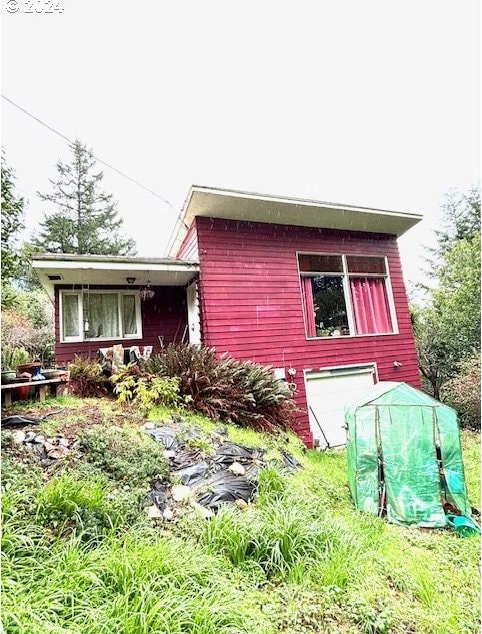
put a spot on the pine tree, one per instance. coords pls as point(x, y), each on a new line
point(86, 220)
point(12, 215)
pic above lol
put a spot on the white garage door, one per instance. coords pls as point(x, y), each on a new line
point(327, 393)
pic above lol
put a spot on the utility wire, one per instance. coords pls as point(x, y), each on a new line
point(133, 180)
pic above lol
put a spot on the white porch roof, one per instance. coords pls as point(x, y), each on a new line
point(236, 205)
point(65, 269)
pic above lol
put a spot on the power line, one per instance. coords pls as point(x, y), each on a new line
point(133, 180)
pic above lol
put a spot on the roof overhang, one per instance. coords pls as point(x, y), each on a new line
point(235, 205)
point(65, 269)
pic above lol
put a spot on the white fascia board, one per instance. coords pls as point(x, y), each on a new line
point(219, 203)
point(111, 266)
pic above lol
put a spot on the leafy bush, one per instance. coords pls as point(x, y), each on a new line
point(124, 454)
point(13, 356)
point(86, 378)
point(463, 393)
point(223, 388)
point(28, 323)
point(144, 390)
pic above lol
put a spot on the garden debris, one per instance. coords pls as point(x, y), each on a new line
point(58, 452)
point(226, 487)
point(20, 420)
point(290, 462)
point(185, 459)
point(202, 510)
point(48, 450)
point(153, 512)
point(26, 420)
point(189, 475)
point(180, 492)
point(230, 452)
point(164, 435)
point(159, 494)
point(237, 469)
point(168, 514)
point(19, 437)
point(216, 472)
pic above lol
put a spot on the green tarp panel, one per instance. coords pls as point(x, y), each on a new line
point(453, 466)
point(363, 462)
point(410, 466)
point(393, 432)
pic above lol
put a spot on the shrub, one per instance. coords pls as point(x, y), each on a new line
point(223, 388)
point(124, 454)
point(86, 378)
point(28, 323)
point(13, 356)
point(463, 393)
point(143, 390)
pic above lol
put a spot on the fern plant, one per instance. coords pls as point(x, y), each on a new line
point(224, 388)
point(86, 378)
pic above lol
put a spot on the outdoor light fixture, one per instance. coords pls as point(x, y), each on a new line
point(146, 292)
point(130, 280)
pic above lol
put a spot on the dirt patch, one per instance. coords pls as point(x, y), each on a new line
point(69, 420)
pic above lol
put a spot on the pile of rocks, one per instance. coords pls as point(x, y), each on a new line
point(47, 450)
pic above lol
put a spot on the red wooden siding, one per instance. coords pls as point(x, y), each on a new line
point(189, 248)
point(251, 301)
point(165, 314)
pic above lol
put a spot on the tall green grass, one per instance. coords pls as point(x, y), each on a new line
point(287, 537)
point(140, 583)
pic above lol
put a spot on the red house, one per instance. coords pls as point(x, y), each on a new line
point(313, 289)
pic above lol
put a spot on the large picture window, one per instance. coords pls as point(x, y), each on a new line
point(345, 295)
point(100, 315)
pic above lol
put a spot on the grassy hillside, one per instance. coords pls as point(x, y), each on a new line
point(80, 554)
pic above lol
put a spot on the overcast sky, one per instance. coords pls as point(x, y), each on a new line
point(366, 103)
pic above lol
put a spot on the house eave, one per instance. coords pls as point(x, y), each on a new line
point(106, 271)
point(246, 206)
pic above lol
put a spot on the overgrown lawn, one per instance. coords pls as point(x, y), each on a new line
point(80, 555)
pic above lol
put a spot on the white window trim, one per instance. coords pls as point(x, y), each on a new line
point(345, 275)
point(61, 317)
point(81, 298)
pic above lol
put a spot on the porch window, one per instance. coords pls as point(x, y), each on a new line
point(345, 295)
point(99, 315)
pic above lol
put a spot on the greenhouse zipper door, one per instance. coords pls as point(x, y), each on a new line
point(327, 393)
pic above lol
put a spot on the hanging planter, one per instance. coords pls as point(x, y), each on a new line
point(146, 292)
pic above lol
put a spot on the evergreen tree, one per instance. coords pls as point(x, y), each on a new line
point(460, 221)
point(86, 219)
point(12, 214)
point(447, 328)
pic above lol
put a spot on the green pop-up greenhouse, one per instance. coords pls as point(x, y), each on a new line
point(405, 456)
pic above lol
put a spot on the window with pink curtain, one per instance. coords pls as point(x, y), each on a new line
point(370, 306)
point(308, 306)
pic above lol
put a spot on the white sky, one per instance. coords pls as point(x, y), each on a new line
point(370, 103)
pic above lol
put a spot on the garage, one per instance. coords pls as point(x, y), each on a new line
point(327, 393)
